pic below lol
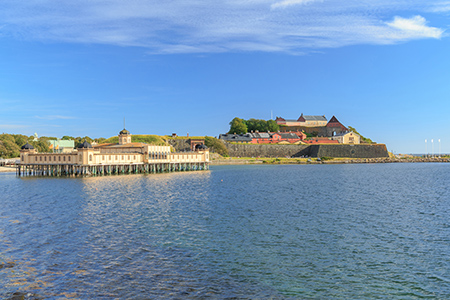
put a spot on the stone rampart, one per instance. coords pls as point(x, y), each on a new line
point(351, 151)
point(180, 145)
point(252, 150)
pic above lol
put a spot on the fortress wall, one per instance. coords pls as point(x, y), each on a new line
point(352, 151)
point(252, 150)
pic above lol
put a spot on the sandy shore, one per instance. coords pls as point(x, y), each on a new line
point(7, 169)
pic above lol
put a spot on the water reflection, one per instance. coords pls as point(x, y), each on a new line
point(342, 232)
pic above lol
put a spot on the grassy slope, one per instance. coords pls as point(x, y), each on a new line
point(141, 138)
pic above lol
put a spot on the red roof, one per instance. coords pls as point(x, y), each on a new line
point(334, 122)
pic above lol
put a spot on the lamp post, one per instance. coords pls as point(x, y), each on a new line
point(426, 148)
point(432, 148)
point(439, 140)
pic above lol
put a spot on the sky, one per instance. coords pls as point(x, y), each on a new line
point(80, 67)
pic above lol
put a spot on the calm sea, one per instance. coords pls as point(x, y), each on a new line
point(370, 231)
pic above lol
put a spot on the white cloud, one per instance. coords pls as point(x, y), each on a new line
point(286, 3)
point(195, 26)
point(441, 7)
point(12, 126)
point(413, 28)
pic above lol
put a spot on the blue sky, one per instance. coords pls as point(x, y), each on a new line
point(79, 67)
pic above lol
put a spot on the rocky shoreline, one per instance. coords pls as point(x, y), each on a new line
point(240, 161)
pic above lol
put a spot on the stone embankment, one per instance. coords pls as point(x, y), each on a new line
point(351, 151)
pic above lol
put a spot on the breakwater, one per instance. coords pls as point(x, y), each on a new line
point(351, 151)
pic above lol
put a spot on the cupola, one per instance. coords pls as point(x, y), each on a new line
point(27, 147)
point(84, 145)
point(124, 137)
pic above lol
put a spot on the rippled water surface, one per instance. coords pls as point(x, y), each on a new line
point(303, 232)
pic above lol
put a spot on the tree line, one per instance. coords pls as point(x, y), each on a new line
point(10, 144)
point(241, 126)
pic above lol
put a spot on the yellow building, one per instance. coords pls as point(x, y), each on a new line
point(347, 138)
point(125, 155)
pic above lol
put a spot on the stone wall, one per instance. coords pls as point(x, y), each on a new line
point(180, 145)
point(252, 150)
point(353, 151)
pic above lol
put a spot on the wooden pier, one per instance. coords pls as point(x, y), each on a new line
point(55, 170)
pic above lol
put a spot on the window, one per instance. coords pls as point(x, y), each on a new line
point(90, 157)
point(122, 157)
point(103, 157)
point(64, 158)
point(35, 158)
point(69, 158)
point(59, 158)
point(116, 157)
point(45, 158)
point(40, 158)
point(54, 158)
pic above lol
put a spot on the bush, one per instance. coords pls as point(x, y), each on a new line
point(326, 158)
point(216, 145)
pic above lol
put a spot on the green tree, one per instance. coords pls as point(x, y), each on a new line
point(8, 146)
point(238, 126)
point(216, 145)
point(100, 140)
point(258, 125)
point(272, 126)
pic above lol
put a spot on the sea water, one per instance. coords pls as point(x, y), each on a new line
point(366, 231)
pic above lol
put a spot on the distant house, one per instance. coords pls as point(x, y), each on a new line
point(315, 125)
point(313, 121)
point(237, 138)
point(264, 137)
point(347, 138)
point(334, 127)
point(289, 137)
point(303, 121)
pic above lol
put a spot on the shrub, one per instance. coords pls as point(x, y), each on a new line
point(216, 145)
point(326, 158)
